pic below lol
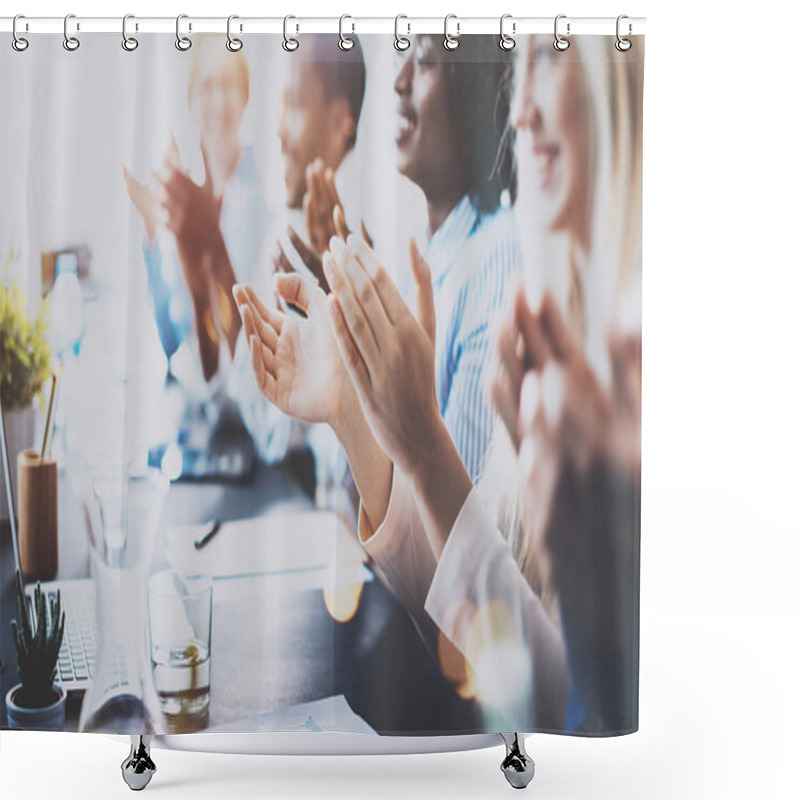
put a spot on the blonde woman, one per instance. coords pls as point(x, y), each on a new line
point(579, 127)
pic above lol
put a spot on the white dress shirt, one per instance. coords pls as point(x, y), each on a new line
point(477, 597)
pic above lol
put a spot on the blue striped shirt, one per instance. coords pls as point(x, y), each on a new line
point(474, 259)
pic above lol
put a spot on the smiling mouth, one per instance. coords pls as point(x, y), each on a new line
point(405, 128)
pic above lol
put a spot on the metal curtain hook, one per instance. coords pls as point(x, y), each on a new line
point(18, 42)
point(506, 42)
point(129, 43)
point(451, 42)
point(234, 44)
point(560, 43)
point(345, 43)
point(70, 42)
point(290, 44)
point(401, 42)
point(623, 45)
point(182, 42)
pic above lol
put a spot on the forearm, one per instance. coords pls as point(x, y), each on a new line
point(371, 467)
point(223, 279)
point(207, 336)
point(442, 484)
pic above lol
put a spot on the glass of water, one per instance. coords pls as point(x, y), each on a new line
point(180, 647)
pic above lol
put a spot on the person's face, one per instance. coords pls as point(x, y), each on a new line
point(219, 102)
point(306, 129)
point(424, 135)
point(551, 119)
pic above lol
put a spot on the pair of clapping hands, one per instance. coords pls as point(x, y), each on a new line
point(558, 414)
point(357, 351)
point(324, 218)
point(191, 211)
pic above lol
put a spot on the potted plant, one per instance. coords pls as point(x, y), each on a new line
point(25, 355)
point(36, 703)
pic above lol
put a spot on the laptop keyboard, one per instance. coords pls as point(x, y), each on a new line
point(76, 658)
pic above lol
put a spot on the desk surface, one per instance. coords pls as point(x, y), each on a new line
point(376, 660)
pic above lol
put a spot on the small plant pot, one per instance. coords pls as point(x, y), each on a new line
point(46, 718)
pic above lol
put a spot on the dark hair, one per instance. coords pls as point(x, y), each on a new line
point(341, 72)
point(479, 92)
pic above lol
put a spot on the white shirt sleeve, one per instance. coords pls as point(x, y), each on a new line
point(481, 601)
point(401, 554)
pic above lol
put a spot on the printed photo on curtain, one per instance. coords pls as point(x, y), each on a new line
point(321, 385)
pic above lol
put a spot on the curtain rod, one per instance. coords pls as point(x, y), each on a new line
point(633, 26)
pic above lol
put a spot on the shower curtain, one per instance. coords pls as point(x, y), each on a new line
point(333, 354)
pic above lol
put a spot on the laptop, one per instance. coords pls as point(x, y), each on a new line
point(76, 658)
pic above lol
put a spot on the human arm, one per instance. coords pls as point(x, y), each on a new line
point(192, 213)
point(579, 465)
point(298, 369)
point(389, 356)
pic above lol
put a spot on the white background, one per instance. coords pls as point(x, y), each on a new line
point(720, 608)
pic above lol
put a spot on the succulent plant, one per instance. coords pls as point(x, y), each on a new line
point(37, 649)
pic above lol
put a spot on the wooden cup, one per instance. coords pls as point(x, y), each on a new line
point(37, 492)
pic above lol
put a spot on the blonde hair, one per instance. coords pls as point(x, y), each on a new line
point(613, 90)
point(210, 47)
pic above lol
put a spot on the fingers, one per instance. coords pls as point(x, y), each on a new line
point(357, 300)
point(542, 401)
point(367, 238)
point(426, 313)
point(309, 258)
point(331, 193)
point(507, 382)
point(130, 181)
point(311, 213)
point(318, 214)
point(537, 349)
point(262, 361)
point(244, 294)
point(255, 325)
point(339, 223)
point(555, 328)
point(506, 402)
point(209, 184)
point(353, 360)
point(387, 292)
point(173, 155)
point(294, 289)
point(281, 261)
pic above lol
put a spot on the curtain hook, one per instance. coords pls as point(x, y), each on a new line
point(234, 44)
point(290, 43)
point(560, 43)
point(129, 43)
point(623, 45)
point(506, 41)
point(345, 43)
point(451, 42)
point(70, 42)
point(401, 42)
point(182, 42)
point(18, 42)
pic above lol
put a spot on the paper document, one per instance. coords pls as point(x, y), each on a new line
point(331, 714)
point(274, 543)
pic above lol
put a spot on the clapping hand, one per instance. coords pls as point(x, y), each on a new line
point(192, 210)
point(144, 197)
point(295, 360)
point(389, 354)
point(324, 219)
